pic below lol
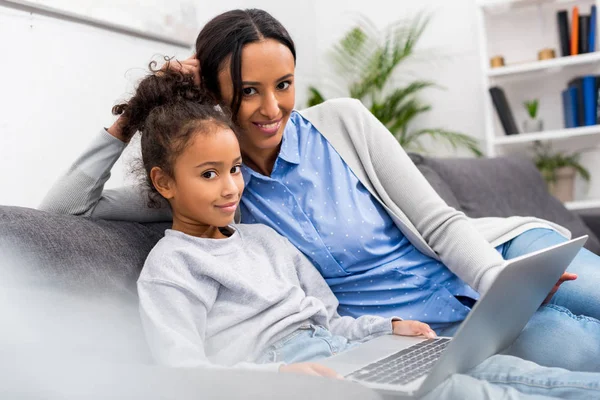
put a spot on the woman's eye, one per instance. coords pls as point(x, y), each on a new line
point(236, 169)
point(249, 91)
point(209, 175)
point(283, 85)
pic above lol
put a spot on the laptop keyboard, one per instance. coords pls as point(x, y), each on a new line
point(404, 366)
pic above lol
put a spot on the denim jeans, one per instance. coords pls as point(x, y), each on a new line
point(499, 377)
point(309, 343)
point(508, 377)
point(565, 333)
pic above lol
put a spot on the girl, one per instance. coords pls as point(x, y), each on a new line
point(334, 182)
point(220, 293)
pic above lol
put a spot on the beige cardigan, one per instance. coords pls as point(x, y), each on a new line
point(464, 245)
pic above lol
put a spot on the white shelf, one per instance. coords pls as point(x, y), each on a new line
point(547, 135)
point(583, 205)
point(548, 65)
point(505, 5)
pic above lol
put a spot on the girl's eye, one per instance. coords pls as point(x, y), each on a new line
point(209, 175)
point(236, 169)
point(249, 91)
point(283, 85)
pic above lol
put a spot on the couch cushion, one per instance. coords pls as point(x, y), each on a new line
point(68, 286)
point(74, 253)
point(503, 187)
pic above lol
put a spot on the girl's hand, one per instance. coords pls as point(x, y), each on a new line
point(188, 66)
point(308, 368)
point(413, 328)
point(116, 129)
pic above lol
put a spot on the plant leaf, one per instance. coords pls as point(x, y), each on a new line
point(315, 97)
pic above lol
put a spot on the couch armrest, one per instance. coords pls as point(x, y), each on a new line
point(592, 221)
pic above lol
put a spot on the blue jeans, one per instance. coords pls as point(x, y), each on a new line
point(309, 343)
point(565, 333)
point(499, 377)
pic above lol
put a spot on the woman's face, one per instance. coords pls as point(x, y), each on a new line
point(268, 93)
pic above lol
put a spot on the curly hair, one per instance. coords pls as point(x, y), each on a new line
point(168, 109)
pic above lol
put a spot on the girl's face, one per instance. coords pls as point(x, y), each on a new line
point(269, 93)
point(207, 183)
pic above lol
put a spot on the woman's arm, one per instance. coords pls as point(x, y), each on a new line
point(80, 190)
point(447, 231)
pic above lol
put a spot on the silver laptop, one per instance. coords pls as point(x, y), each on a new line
point(412, 366)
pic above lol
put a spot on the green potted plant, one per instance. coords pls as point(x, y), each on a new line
point(532, 124)
point(366, 61)
point(559, 170)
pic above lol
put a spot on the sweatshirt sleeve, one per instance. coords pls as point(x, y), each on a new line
point(80, 190)
point(459, 245)
point(174, 320)
point(313, 285)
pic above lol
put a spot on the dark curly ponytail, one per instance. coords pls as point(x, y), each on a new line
point(167, 109)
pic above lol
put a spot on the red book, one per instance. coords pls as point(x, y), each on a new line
point(575, 31)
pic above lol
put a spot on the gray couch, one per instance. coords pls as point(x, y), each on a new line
point(70, 315)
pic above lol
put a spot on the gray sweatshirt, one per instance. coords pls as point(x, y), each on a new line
point(224, 301)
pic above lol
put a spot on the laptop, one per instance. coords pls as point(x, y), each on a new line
point(412, 366)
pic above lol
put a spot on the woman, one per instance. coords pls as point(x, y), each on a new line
point(340, 188)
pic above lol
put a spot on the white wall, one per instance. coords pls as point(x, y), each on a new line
point(59, 80)
point(62, 77)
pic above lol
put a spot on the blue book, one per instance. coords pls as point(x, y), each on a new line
point(592, 32)
point(590, 97)
point(569, 99)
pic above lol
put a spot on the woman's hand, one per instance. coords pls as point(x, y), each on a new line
point(189, 66)
point(567, 276)
point(412, 328)
point(308, 368)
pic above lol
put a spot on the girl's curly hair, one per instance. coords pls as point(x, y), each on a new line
point(168, 109)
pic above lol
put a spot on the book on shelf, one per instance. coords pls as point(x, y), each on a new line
point(584, 33)
point(592, 30)
point(590, 100)
point(575, 31)
point(577, 84)
point(569, 100)
point(563, 32)
point(503, 110)
point(580, 37)
point(580, 101)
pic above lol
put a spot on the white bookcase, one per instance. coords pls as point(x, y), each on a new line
point(517, 30)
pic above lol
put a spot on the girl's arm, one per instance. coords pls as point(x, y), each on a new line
point(80, 190)
point(174, 320)
point(313, 285)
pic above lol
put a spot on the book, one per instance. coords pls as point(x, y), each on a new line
point(590, 99)
point(577, 84)
point(575, 31)
point(569, 101)
point(592, 33)
point(563, 33)
point(503, 110)
point(584, 33)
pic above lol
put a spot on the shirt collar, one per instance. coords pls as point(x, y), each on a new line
point(290, 145)
point(289, 151)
